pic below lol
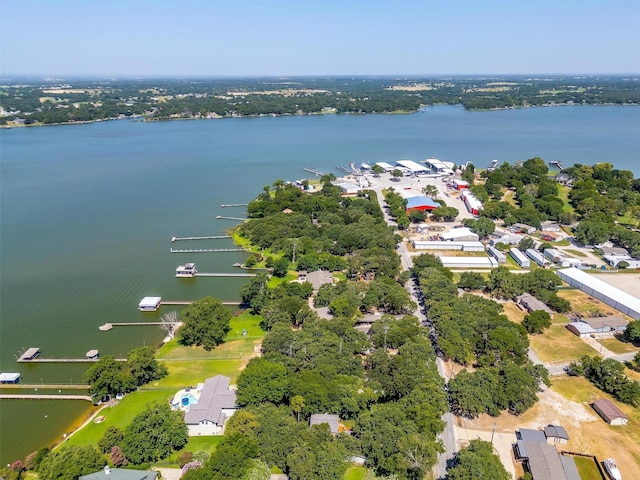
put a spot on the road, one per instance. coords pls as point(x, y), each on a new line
point(447, 436)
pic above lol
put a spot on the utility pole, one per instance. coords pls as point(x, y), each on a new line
point(493, 432)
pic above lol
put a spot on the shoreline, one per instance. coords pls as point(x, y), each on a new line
point(144, 118)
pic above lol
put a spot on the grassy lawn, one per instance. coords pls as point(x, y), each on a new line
point(616, 345)
point(195, 444)
point(576, 253)
point(275, 281)
point(583, 303)
point(187, 366)
point(587, 468)
point(557, 344)
point(355, 473)
point(563, 194)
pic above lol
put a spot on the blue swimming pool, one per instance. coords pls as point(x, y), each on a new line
point(188, 400)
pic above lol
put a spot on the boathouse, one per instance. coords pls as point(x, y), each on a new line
point(149, 304)
point(9, 378)
point(92, 355)
point(187, 270)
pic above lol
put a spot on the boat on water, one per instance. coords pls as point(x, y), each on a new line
point(612, 469)
point(187, 270)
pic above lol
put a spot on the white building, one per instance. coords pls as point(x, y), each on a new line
point(536, 256)
point(497, 254)
point(386, 167)
point(471, 202)
point(448, 245)
point(438, 166)
point(612, 296)
point(462, 234)
point(412, 167)
point(468, 262)
point(149, 304)
point(520, 258)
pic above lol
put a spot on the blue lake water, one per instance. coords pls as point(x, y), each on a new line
point(88, 211)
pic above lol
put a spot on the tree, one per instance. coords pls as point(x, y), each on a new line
point(143, 366)
point(262, 381)
point(112, 436)
point(483, 226)
point(297, 404)
point(69, 462)
point(396, 174)
point(632, 333)
point(477, 462)
point(430, 191)
point(536, 321)
point(206, 322)
point(169, 323)
point(377, 170)
point(526, 243)
point(417, 215)
point(117, 457)
point(280, 267)
point(154, 434)
point(471, 281)
point(107, 379)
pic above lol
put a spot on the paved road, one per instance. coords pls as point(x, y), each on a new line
point(447, 436)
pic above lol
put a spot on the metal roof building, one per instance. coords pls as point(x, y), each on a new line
point(520, 258)
point(462, 234)
point(412, 166)
point(612, 296)
point(609, 412)
point(468, 262)
point(444, 245)
point(497, 254)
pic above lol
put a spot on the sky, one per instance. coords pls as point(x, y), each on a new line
point(223, 38)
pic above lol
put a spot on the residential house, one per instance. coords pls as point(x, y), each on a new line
point(216, 403)
point(331, 420)
point(108, 473)
point(531, 304)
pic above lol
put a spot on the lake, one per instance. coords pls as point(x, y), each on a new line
point(88, 212)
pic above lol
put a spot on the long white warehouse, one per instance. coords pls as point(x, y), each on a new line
point(612, 296)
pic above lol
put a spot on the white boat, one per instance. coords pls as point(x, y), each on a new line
point(612, 469)
point(187, 270)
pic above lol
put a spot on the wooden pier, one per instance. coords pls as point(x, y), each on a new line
point(27, 396)
point(225, 274)
point(189, 302)
point(221, 217)
point(234, 205)
point(64, 360)
point(45, 386)
point(211, 237)
point(315, 171)
point(205, 250)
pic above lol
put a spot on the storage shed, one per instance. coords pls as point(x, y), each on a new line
point(468, 262)
point(520, 258)
point(536, 256)
point(612, 296)
point(471, 202)
point(556, 435)
point(497, 254)
point(609, 412)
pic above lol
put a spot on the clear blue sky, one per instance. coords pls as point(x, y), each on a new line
point(309, 37)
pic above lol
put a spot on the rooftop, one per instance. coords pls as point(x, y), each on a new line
point(121, 474)
point(556, 431)
point(214, 397)
point(331, 420)
point(608, 408)
point(600, 322)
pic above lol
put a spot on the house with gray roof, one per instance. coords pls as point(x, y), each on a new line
point(556, 435)
point(331, 420)
point(319, 278)
point(542, 460)
point(216, 403)
point(108, 473)
point(531, 304)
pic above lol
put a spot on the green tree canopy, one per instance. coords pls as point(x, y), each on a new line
point(205, 322)
point(69, 462)
point(154, 434)
point(477, 462)
point(143, 366)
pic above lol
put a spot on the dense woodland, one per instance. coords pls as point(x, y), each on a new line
point(75, 100)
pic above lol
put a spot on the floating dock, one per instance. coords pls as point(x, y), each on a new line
point(221, 217)
point(211, 237)
point(29, 355)
point(315, 171)
point(205, 250)
point(234, 205)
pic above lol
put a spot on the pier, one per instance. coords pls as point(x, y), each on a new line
point(220, 217)
point(189, 302)
point(65, 360)
point(212, 237)
point(205, 250)
point(234, 205)
point(315, 171)
point(27, 396)
point(225, 274)
point(46, 386)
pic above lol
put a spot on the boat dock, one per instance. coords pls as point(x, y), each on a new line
point(28, 396)
point(187, 302)
point(225, 275)
point(234, 205)
point(29, 355)
point(205, 250)
point(211, 237)
point(220, 217)
point(64, 360)
point(315, 171)
point(46, 386)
